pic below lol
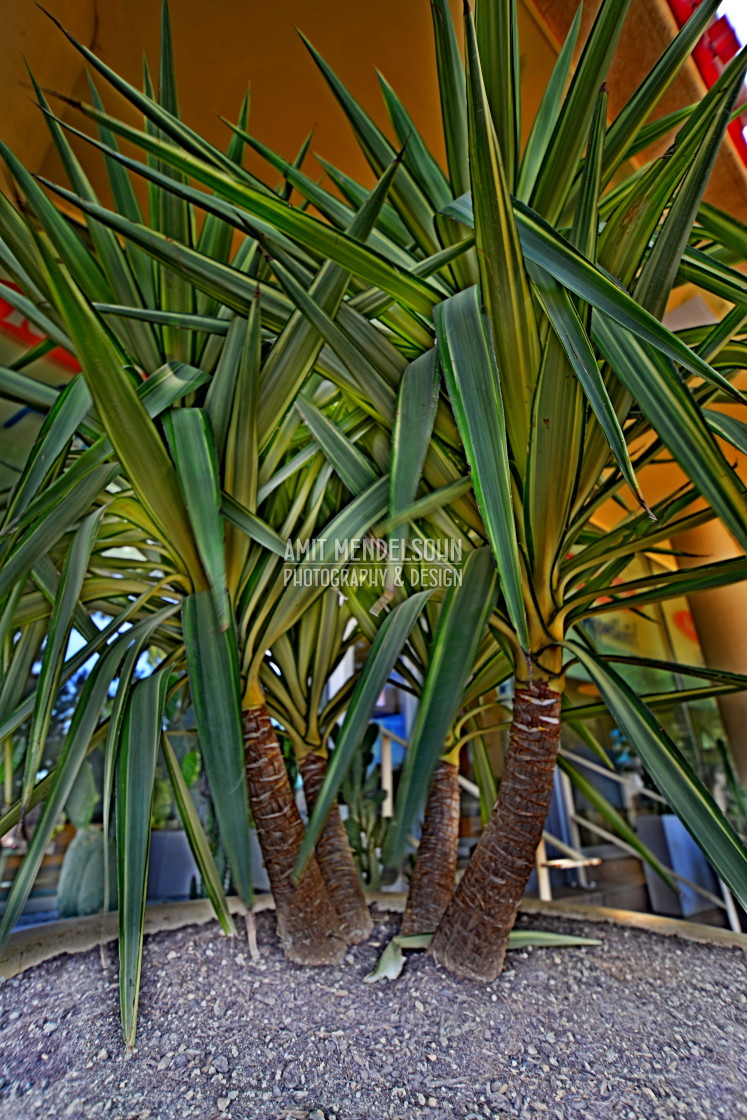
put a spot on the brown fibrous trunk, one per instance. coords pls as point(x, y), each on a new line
point(306, 922)
point(335, 857)
point(472, 937)
point(432, 879)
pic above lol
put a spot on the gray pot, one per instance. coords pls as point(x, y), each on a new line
point(172, 868)
point(673, 845)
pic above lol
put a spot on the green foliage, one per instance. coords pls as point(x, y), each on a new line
point(83, 798)
point(162, 806)
point(366, 827)
point(191, 767)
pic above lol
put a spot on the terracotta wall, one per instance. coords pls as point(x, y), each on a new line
point(221, 46)
point(649, 26)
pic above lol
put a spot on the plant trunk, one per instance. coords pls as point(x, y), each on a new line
point(472, 937)
point(432, 879)
point(306, 922)
point(335, 857)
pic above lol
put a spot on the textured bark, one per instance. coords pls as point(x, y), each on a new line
point(306, 922)
point(335, 858)
point(432, 879)
point(472, 937)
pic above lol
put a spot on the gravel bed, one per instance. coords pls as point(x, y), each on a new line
point(640, 1026)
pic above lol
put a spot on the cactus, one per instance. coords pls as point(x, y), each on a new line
point(83, 798)
point(81, 886)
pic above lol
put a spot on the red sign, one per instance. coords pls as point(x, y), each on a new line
point(12, 322)
point(715, 48)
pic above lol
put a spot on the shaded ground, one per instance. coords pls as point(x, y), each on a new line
point(639, 1027)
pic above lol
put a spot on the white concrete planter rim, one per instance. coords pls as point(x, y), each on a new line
point(32, 946)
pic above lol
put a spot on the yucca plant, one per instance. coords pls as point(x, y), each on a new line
point(463, 665)
point(148, 587)
point(116, 511)
point(564, 385)
point(297, 679)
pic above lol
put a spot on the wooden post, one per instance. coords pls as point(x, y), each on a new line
point(543, 873)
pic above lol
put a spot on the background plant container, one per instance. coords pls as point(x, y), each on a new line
point(172, 867)
point(172, 871)
point(671, 843)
